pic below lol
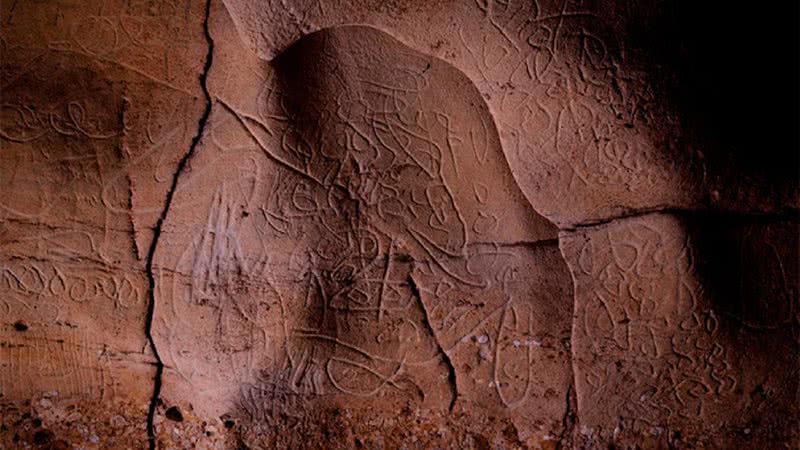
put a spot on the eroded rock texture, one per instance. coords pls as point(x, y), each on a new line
point(661, 337)
point(406, 224)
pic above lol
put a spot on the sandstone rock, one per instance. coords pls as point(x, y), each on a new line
point(670, 333)
point(398, 224)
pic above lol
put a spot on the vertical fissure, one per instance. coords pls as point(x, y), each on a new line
point(451, 369)
point(201, 124)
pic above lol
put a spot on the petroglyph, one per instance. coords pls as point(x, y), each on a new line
point(84, 136)
point(317, 269)
point(654, 338)
point(391, 224)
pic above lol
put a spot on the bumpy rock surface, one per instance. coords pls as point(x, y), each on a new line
point(398, 224)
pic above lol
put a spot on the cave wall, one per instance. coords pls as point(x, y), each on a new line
point(404, 224)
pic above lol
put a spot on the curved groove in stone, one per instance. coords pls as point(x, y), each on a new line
point(369, 163)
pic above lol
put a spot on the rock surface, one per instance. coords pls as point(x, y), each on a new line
point(398, 224)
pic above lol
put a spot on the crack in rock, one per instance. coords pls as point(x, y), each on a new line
point(451, 369)
point(201, 124)
point(786, 213)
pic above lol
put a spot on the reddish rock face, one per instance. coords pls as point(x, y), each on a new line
point(662, 336)
point(356, 224)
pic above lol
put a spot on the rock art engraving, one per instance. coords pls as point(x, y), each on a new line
point(655, 337)
point(81, 119)
point(353, 244)
point(533, 224)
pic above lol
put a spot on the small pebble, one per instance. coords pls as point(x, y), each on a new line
point(174, 414)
